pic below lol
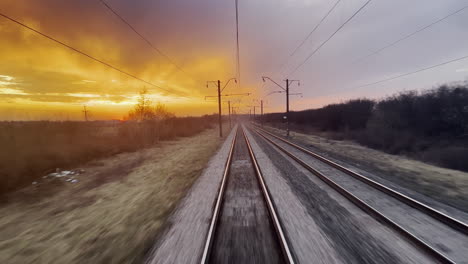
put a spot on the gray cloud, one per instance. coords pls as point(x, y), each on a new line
point(190, 31)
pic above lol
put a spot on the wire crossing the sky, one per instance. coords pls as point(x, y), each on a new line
point(310, 34)
point(329, 38)
point(89, 56)
point(410, 35)
point(413, 72)
point(146, 40)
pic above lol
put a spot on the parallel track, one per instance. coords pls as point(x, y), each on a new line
point(286, 252)
point(440, 216)
point(365, 206)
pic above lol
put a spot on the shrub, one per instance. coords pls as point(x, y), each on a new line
point(450, 156)
point(336, 117)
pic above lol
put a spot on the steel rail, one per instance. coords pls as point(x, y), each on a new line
point(434, 213)
point(217, 208)
point(271, 208)
point(364, 206)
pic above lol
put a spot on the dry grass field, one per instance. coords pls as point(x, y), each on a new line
point(114, 212)
point(30, 150)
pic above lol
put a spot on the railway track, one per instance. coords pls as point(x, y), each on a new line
point(431, 230)
point(244, 227)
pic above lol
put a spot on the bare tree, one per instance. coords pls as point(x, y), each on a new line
point(144, 110)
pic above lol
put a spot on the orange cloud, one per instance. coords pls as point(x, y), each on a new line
point(41, 77)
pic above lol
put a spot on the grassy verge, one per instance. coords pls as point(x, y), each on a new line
point(443, 185)
point(112, 214)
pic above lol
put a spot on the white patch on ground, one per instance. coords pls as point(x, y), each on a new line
point(183, 240)
point(63, 175)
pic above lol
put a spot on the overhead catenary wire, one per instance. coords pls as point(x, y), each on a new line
point(330, 37)
point(410, 34)
point(146, 40)
point(310, 34)
point(87, 55)
point(412, 72)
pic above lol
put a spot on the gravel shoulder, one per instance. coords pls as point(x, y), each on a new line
point(112, 214)
point(183, 238)
point(443, 189)
point(323, 226)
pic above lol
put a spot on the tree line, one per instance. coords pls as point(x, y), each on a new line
point(431, 125)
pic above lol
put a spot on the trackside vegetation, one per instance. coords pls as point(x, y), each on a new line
point(431, 126)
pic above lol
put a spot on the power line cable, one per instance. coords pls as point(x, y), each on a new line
point(413, 72)
point(310, 34)
point(146, 40)
point(85, 54)
point(329, 38)
point(410, 35)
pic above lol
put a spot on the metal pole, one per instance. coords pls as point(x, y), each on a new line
point(237, 45)
point(229, 106)
point(261, 108)
point(219, 108)
point(287, 107)
point(85, 111)
point(254, 113)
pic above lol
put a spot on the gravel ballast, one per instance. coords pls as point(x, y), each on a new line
point(354, 236)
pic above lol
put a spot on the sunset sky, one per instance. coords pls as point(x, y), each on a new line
point(40, 79)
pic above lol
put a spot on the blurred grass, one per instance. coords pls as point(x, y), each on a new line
point(115, 222)
point(32, 149)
